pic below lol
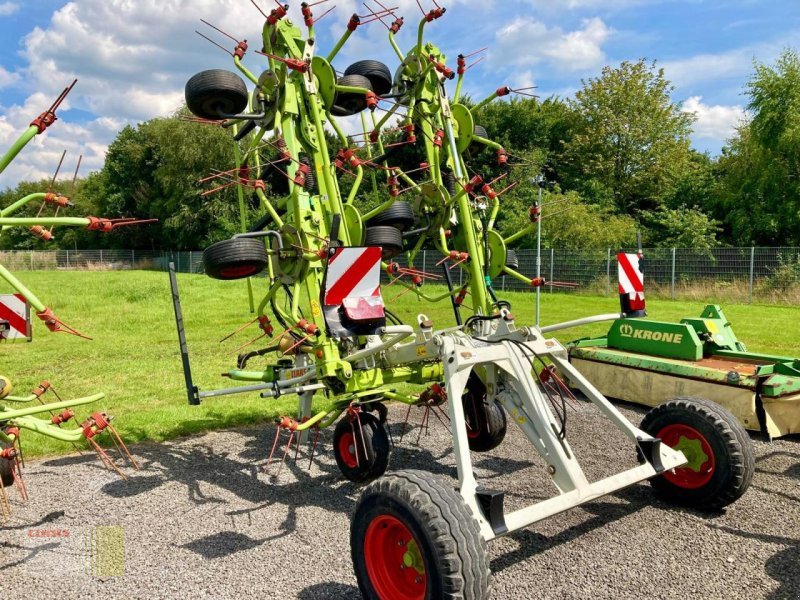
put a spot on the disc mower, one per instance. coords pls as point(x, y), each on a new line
point(325, 335)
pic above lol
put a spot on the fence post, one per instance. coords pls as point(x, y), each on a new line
point(673, 275)
point(552, 260)
point(608, 273)
point(133, 258)
point(191, 263)
point(752, 266)
point(424, 261)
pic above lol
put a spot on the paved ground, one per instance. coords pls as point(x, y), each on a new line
point(201, 521)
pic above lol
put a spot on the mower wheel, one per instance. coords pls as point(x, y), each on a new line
point(236, 258)
point(6, 467)
point(361, 451)
point(512, 260)
point(378, 74)
point(719, 453)
point(413, 537)
point(347, 103)
point(486, 422)
point(479, 131)
point(388, 238)
point(216, 94)
point(398, 215)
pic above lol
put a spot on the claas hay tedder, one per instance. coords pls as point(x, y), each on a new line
point(23, 412)
point(344, 354)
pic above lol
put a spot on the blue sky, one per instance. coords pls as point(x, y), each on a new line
point(133, 58)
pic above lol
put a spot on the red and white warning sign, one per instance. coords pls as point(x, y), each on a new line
point(353, 281)
point(631, 281)
point(15, 315)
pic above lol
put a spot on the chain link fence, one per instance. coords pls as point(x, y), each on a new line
point(768, 275)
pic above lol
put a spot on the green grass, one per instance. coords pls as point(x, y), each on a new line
point(134, 356)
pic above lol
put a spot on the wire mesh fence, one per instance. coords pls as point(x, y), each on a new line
point(767, 275)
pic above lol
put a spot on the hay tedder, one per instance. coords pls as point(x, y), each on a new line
point(19, 412)
point(344, 354)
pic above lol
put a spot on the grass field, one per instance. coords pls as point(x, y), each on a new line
point(134, 356)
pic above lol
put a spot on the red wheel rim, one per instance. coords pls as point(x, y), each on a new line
point(242, 271)
point(394, 561)
point(701, 464)
point(347, 450)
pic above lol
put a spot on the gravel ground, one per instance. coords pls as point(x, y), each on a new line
point(202, 521)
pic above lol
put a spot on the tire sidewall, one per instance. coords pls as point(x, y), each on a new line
point(376, 505)
point(722, 460)
point(376, 441)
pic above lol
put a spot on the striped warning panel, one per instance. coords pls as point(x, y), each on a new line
point(631, 280)
point(15, 310)
point(353, 273)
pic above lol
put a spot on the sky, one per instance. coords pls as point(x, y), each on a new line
point(133, 57)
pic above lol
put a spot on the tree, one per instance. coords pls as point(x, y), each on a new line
point(759, 194)
point(631, 142)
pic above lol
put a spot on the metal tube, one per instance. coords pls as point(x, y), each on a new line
point(15, 149)
point(579, 322)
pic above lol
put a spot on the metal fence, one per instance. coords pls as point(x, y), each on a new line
point(770, 275)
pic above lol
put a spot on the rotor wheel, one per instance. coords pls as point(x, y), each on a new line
point(216, 94)
point(479, 131)
point(412, 537)
point(378, 74)
point(361, 450)
point(486, 421)
point(236, 258)
point(349, 103)
point(719, 452)
point(388, 238)
point(399, 215)
point(512, 260)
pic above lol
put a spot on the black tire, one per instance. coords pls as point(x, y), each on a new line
point(399, 215)
point(709, 482)
point(451, 183)
point(216, 94)
point(378, 74)
point(417, 519)
point(349, 446)
point(236, 258)
point(486, 422)
point(388, 238)
point(480, 131)
point(512, 260)
point(346, 104)
point(6, 467)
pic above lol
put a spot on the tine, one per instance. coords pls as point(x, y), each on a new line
point(405, 423)
point(285, 452)
point(274, 446)
point(355, 445)
point(363, 439)
point(18, 481)
point(124, 447)
point(313, 447)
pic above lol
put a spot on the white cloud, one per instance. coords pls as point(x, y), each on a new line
point(7, 78)
point(8, 8)
point(716, 123)
point(528, 42)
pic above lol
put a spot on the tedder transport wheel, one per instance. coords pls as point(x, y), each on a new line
point(388, 238)
point(216, 94)
point(512, 261)
point(235, 258)
point(350, 442)
point(399, 214)
point(719, 451)
point(486, 422)
point(6, 467)
point(378, 74)
point(412, 537)
point(349, 103)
